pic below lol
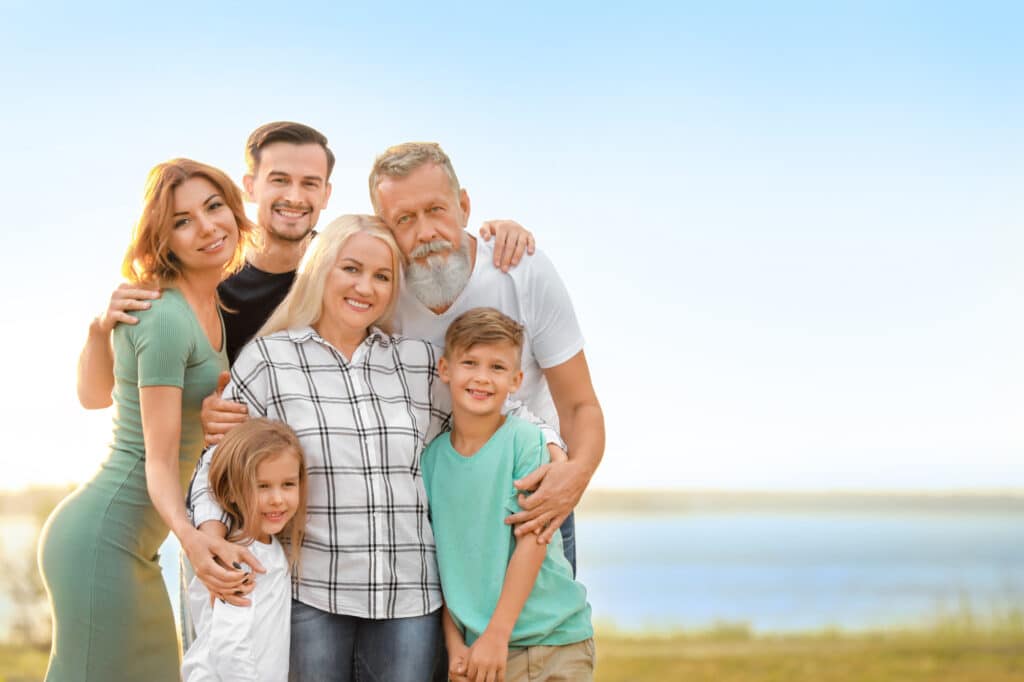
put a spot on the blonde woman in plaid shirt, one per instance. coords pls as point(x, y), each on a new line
point(364, 404)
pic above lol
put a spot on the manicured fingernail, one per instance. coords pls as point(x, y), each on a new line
point(238, 593)
point(222, 601)
point(236, 565)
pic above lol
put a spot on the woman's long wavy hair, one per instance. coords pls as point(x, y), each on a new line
point(149, 258)
point(233, 480)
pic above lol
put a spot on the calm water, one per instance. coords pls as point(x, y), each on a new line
point(778, 571)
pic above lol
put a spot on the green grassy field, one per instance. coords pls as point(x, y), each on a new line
point(734, 655)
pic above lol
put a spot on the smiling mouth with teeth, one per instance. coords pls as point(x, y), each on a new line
point(357, 304)
point(216, 245)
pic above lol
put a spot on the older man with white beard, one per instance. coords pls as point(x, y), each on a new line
point(414, 188)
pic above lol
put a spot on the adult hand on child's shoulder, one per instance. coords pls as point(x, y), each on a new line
point(558, 487)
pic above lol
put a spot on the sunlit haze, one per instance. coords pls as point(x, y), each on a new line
point(792, 232)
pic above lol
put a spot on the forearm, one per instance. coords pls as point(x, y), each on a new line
point(520, 576)
point(583, 431)
point(95, 379)
point(452, 634)
point(165, 492)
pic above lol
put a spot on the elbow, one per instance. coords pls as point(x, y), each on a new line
point(91, 401)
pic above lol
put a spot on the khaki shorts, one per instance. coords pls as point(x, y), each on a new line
point(568, 663)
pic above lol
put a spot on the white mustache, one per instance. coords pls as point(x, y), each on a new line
point(431, 247)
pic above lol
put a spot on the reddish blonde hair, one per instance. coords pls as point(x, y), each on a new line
point(233, 479)
point(149, 258)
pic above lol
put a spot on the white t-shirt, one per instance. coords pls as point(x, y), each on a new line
point(236, 643)
point(533, 295)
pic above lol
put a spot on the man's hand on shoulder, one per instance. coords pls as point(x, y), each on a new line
point(557, 487)
point(511, 241)
point(126, 298)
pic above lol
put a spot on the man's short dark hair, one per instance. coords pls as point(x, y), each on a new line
point(284, 131)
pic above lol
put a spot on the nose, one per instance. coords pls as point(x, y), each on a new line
point(292, 193)
point(275, 495)
point(425, 231)
point(205, 223)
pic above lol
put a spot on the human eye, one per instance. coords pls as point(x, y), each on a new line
point(468, 363)
point(498, 367)
point(262, 486)
point(181, 222)
point(349, 268)
point(383, 277)
point(403, 219)
point(278, 180)
point(436, 209)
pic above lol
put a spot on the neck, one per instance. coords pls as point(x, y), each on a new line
point(277, 256)
point(344, 338)
point(471, 432)
point(472, 264)
point(199, 288)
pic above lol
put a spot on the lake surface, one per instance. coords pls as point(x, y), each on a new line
point(775, 571)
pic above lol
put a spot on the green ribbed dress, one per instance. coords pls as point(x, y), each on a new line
point(98, 553)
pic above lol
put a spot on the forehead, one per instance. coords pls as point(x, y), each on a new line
point(369, 250)
point(192, 193)
point(492, 349)
point(284, 463)
point(303, 160)
point(428, 183)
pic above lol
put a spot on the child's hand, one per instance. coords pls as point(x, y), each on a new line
point(458, 654)
point(487, 658)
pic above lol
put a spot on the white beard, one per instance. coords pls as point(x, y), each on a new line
point(439, 281)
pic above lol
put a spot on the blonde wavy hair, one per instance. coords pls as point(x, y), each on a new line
point(233, 480)
point(304, 303)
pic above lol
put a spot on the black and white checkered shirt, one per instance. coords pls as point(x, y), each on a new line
point(369, 549)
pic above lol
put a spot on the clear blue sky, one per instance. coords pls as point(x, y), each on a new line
point(793, 231)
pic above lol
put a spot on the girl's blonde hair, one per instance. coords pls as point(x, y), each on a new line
point(149, 258)
point(304, 303)
point(233, 479)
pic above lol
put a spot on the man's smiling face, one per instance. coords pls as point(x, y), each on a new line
point(290, 188)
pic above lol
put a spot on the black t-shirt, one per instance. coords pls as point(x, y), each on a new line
point(253, 295)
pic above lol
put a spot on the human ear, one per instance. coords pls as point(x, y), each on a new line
point(442, 369)
point(516, 382)
point(247, 182)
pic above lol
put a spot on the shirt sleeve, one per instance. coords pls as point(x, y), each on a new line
point(550, 319)
point(202, 506)
point(249, 385)
point(518, 409)
point(250, 379)
point(440, 399)
point(232, 652)
point(529, 451)
point(162, 345)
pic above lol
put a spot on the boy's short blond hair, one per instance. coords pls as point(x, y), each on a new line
point(482, 326)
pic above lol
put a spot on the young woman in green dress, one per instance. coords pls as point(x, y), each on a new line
point(98, 555)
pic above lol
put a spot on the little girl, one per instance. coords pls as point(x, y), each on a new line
point(258, 476)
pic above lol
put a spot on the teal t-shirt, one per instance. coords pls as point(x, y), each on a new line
point(469, 500)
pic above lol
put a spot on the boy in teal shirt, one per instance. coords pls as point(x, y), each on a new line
point(512, 608)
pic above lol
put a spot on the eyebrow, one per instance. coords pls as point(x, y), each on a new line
point(359, 262)
point(205, 202)
point(318, 178)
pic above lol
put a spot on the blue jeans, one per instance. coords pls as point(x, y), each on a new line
point(569, 540)
point(327, 647)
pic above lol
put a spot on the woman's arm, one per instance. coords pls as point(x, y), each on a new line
point(96, 362)
point(161, 430)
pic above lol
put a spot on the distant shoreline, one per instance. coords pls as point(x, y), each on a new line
point(39, 500)
point(672, 502)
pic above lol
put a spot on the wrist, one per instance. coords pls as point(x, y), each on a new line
point(498, 631)
point(97, 329)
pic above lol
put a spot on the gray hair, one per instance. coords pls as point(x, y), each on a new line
point(402, 159)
